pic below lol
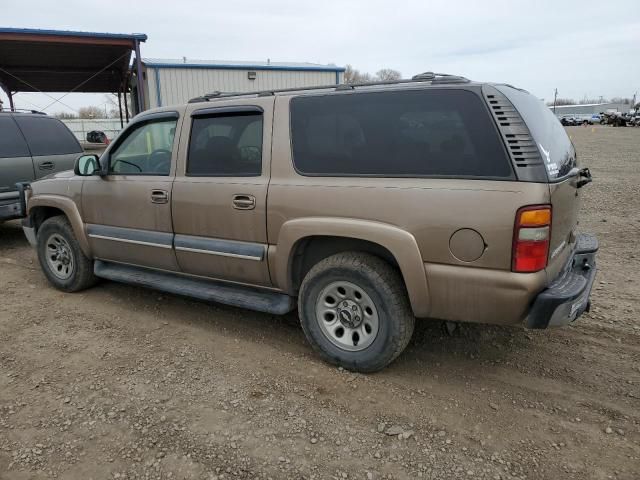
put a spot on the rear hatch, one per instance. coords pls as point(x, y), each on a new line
point(561, 167)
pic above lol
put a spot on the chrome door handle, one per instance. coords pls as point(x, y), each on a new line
point(47, 166)
point(159, 196)
point(244, 202)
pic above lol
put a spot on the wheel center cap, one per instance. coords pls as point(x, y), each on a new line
point(349, 313)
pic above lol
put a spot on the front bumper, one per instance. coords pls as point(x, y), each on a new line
point(567, 297)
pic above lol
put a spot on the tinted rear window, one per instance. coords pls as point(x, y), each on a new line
point(12, 142)
point(552, 140)
point(395, 134)
point(226, 145)
point(48, 136)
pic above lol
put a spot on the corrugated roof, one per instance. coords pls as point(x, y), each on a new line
point(239, 65)
point(71, 33)
point(62, 60)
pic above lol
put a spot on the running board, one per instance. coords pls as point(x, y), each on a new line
point(207, 290)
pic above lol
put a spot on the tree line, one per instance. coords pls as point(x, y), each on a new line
point(353, 75)
point(587, 100)
point(109, 109)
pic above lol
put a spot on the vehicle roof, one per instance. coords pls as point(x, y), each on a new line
point(442, 81)
point(421, 81)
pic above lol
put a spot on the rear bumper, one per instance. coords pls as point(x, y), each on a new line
point(10, 209)
point(15, 207)
point(567, 297)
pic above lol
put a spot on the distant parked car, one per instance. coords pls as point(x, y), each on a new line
point(586, 119)
point(32, 145)
point(97, 136)
point(568, 121)
point(615, 119)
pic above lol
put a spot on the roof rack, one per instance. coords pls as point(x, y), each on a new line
point(433, 78)
point(22, 110)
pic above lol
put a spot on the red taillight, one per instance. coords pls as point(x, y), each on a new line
point(531, 237)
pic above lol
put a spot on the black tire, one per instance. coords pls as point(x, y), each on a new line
point(81, 274)
point(385, 288)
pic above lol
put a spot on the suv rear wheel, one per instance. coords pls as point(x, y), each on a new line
point(62, 261)
point(355, 312)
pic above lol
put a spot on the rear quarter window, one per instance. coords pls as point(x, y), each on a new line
point(12, 143)
point(438, 133)
point(48, 136)
point(555, 147)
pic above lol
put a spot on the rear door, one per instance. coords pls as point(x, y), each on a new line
point(220, 191)
point(15, 159)
point(560, 160)
point(53, 147)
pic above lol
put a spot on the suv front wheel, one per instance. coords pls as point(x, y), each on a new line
point(62, 261)
point(355, 312)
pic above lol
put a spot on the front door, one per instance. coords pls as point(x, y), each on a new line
point(128, 211)
point(220, 191)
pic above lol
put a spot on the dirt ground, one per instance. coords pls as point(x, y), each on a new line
point(122, 382)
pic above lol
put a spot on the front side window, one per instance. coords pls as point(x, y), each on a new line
point(146, 150)
point(47, 136)
point(397, 134)
point(226, 145)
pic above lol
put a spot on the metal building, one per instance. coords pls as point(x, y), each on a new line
point(170, 82)
point(590, 108)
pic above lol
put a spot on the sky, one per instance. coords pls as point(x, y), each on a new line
point(582, 48)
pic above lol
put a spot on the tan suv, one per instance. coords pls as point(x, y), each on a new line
point(366, 205)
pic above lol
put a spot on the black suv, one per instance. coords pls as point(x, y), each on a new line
point(32, 145)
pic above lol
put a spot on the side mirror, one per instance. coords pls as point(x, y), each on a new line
point(87, 165)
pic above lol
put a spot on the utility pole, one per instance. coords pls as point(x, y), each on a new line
point(555, 97)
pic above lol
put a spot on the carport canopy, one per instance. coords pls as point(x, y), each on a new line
point(33, 60)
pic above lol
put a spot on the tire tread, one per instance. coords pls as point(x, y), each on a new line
point(390, 286)
point(83, 277)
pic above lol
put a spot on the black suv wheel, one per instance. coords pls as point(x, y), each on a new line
point(355, 311)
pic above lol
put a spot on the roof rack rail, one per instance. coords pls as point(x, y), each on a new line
point(22, 110)
point(439, 78)
point(433, 78)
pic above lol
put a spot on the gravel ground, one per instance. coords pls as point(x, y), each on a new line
point(121, 382)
